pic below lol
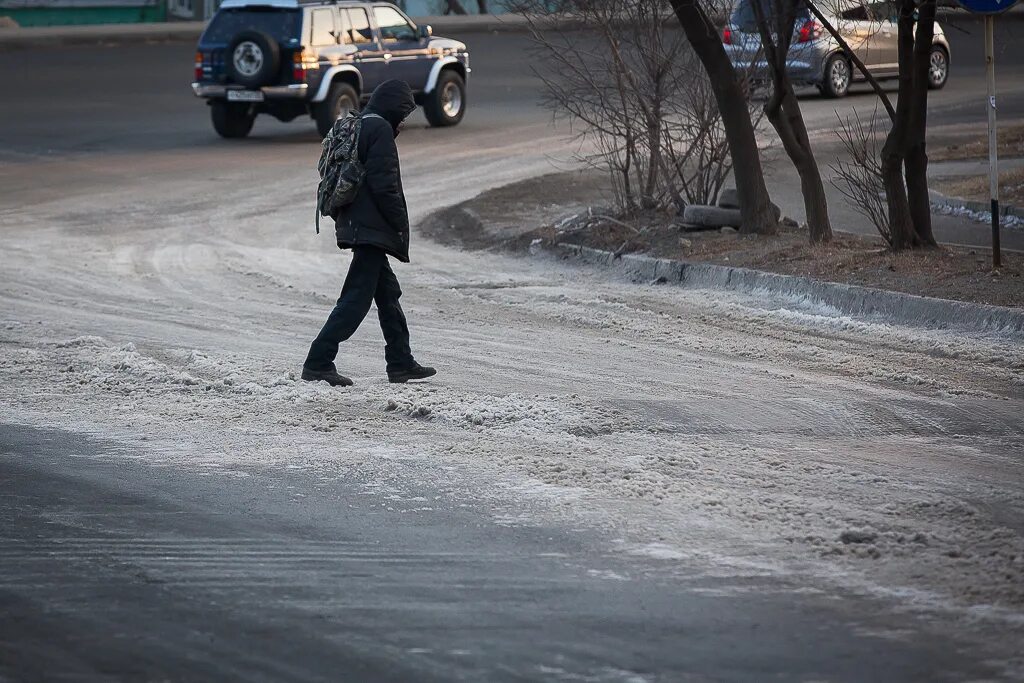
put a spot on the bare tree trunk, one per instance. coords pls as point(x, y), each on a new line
point(454, 7)
point(811, 186)
point(627, 170)
point(916, 172)
point(654, 163)
point(783, 111)
point(901, 225)
point(916, 159)
point(756, 209)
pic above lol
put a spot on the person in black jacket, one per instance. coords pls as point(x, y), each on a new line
point(374, 226)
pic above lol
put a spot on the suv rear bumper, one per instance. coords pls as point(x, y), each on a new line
point(294, 91)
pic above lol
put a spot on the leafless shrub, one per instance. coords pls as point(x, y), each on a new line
point(859, 179)
point(695, 143)
point(636, 97)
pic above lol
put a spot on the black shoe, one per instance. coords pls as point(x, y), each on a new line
point(412, 372)
point(330, 376)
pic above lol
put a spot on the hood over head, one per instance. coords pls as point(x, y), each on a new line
point(393, 100)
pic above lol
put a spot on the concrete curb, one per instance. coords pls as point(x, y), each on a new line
point(189, 31)
point(849, 300)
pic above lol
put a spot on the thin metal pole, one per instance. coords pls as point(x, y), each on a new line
point(993, 157)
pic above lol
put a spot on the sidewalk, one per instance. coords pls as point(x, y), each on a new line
point(189, 31)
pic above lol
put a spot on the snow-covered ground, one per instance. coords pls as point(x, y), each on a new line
point(739, 434)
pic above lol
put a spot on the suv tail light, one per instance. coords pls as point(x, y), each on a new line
point(809, 31)
point(727, 35)
point(301, 61)
point(199, 66)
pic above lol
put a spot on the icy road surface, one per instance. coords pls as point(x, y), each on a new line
point(165, 299)
point(744, 434)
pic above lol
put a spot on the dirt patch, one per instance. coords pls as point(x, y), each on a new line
point(1011, 187)
point(1010, 145)
point(502, 217)
point(512, 217)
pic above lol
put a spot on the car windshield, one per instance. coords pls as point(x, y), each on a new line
point(281, 24)
point(746, 20)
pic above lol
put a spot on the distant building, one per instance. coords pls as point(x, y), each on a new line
point(186, 10)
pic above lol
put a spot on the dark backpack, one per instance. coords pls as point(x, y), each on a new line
point(341, 172)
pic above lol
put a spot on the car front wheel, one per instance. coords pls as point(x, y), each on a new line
point(836, 78)
point(341, 99)
point(938, 68)
point(446, 104)
point(231, 119)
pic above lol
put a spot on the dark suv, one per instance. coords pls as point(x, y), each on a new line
point(287, 58)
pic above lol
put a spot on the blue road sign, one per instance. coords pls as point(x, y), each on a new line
point(987, 6)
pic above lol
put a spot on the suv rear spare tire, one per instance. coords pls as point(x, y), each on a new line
point(253, 59)
point(446, 103)
point(231, 119)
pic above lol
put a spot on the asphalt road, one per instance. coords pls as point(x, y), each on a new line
point(137, 97)
point(233, 524)
point(115, 570)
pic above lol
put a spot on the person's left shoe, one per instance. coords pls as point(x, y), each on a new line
point(416, 371)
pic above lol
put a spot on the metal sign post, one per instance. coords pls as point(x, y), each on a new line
point(993, 142)
point(990, 8)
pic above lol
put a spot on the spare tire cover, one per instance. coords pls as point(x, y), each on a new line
point(253, 59)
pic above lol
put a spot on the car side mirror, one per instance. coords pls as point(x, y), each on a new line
point(425, 31)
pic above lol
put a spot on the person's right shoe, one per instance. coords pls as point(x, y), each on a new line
point(330, 376)
point(416, 371)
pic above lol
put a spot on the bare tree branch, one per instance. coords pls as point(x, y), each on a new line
point(636, 96)
point(859, 180)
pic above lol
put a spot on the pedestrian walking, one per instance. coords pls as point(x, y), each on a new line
point(374, 226)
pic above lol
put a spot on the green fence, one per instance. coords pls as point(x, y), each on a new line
point(72, 12)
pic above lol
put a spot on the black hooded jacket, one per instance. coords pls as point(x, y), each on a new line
point(378, 216)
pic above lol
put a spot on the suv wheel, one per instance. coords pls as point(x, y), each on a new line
point(253, 59)
point(446, 105)
point(231, 119)
point(938, 68)
point(836, 78)
point(341, 99)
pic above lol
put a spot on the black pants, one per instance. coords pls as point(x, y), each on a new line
point(369, 278)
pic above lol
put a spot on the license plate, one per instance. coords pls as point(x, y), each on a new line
point(245, 96)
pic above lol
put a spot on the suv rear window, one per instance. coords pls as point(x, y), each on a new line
point(745, 18)
point(281, 24)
